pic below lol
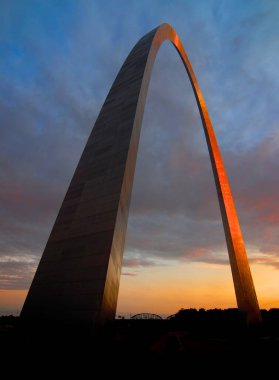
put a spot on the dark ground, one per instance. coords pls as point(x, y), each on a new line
point(193, 340)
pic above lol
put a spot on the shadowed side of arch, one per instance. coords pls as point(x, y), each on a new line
point(77, 280)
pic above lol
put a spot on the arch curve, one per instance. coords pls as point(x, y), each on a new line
point(77, 280)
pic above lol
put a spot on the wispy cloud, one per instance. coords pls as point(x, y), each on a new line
point(130, 274)
point(15, 271)
point(137, 262)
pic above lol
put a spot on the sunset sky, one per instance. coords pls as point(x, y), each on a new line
point(59, 59)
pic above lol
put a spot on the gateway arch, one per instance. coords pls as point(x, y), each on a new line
point(77, 280)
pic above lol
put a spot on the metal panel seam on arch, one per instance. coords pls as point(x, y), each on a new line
point(77, 280)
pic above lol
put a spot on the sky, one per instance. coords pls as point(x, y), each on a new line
point(59, 59)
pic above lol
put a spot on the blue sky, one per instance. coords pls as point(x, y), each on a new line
point(59, 59)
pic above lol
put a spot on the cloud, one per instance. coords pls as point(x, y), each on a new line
point(15, 271)
point(128, 274)
point(137, 262)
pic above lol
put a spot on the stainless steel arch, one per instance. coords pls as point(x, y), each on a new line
point(77, 280)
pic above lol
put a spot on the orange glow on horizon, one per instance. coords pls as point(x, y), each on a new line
point(164, 290)
point(11, 301)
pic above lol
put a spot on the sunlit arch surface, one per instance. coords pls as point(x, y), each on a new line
point(77, 280)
